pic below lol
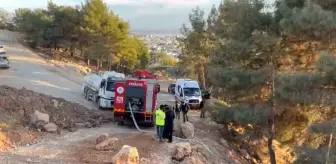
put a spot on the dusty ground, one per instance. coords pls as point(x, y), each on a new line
point(86, 152)
point(77, 148)
point(83, 151)
point(210, 134)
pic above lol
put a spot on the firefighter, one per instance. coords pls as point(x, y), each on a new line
point(160, 122)
point(169, 124)
point(185, 109)
point(177, 111)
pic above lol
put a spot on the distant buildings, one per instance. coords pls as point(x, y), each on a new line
point(164, 43)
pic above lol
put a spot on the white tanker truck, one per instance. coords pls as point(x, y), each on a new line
point(100, 89)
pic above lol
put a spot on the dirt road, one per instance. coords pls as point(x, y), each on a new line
point(32, 72)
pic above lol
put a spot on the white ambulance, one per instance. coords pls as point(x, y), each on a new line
point(188, 91)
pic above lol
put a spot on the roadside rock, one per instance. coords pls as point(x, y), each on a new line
point(144, 161)
point(96, 123)
point(127, 155)
point(188, 130)
point(39, 124)
point(161, 159)
point(182, 150)
point(108, 144)
point(73, 129)
point(196, 148)
point(177, 129)
point(245, 154)
point(101, 138)
point(88, 125)
point(21, 112)
point(39, 116)
point(50, 127)
point(193, 160)
point(55, 103)
point(80, 125)
point(224, 142)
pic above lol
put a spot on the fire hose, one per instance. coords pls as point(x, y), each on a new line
point(177, 138)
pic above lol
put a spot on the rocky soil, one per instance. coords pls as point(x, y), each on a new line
point(24, 114)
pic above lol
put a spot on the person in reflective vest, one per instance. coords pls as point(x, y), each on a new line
point(160, 122)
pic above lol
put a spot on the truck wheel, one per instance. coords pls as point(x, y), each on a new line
point(85, 93)
point(99, 106)
point(88, 93)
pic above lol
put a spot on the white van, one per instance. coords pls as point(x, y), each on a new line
point(188, 91)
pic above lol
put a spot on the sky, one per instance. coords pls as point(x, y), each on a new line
point(143, 15)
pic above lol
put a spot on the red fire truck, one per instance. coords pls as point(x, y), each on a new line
point(140, 93)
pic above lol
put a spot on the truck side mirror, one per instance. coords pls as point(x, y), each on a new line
point(158, 88)
point(181, 95)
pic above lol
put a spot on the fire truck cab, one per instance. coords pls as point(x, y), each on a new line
point(140, 93)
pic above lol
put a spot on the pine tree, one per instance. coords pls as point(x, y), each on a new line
point(105, 28)
point(196, 46)
point(243, 66)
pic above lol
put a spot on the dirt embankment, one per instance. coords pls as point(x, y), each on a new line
point(18, 119)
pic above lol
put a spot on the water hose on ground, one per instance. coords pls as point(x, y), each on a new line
point(177, 138)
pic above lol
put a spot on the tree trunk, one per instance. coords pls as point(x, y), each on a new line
point(101, 63)
point(271, 119)
point(98, 64)
point(201, 74)
point(270, 139)
point(72, 53)
point(110, 65)
point(329, 146)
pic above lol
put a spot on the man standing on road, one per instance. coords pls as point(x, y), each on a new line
point(160, 121)
point(169, 124)
point(177, 111)
point(185, 109)
point(202, 110)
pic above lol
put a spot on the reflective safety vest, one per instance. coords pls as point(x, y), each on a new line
point(160, 117)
